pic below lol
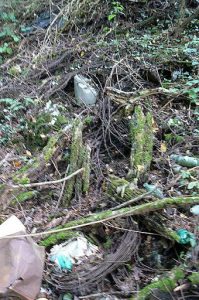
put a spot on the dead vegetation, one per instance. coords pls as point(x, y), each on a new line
point(146, 111)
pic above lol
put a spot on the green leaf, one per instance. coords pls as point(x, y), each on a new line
point(9, 50)
point(16, 38)
point(185, 174)
point(111, 17)
point(28, 101)
point(193, 184)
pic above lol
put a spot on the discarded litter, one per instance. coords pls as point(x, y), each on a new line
point(176, 168)
point(155, 191)
point(72, 252)
point(22, 262)
point(85, 93)
point(67, 296)
point(195, 210)
point(43, 21)
point(44, 294)
point(108, 298)
point(185, 161)
point(63, 262)
point(186, 237)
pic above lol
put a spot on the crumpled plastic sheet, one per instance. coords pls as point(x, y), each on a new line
point(72, 252)
point(21, 262)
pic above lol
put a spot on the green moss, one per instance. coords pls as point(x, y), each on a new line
point(87, 169)
point(136, 210)
point(117, 181)
point(173, 138)
point(49, 149)
point(21, 180)
point(20, 176)
point(122, 190)
point(32, 164)
point(137, 127)
point(194, 278)
point(23, 196)
point(108, 243)
point(36, 135)
point(165, 284)
point(157, 220)
point(58, 237)
point(24, 169)
point(78, 178)
point(2, 187)
point(76, 147)
point(148, 146)
point(172, 234)
point(88, 120)
point(141, 136)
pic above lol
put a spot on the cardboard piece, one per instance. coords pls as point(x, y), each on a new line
point(21, 262)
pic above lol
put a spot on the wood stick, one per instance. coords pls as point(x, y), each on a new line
point(30, 185)
point(109, 215)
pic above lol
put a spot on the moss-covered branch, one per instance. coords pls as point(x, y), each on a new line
point(75, 149)
point(122, 190)
point(87, 169)
point(167, 283)
point(142, 209)
point(29, 173)
point(141, 135)
point(133, 98)
point(79, 157)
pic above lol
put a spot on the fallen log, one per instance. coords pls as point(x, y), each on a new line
point(58, 233)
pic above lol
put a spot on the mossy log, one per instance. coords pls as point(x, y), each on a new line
point(103, 216)
point(87, 169)
point(33, 170)
point(121, 190)
point(75, 151)
point(167, 283)
point(79, 157)
point(141, 135)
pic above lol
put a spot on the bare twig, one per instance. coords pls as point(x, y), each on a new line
point(140, 197)
point(62, 190)
point(30, 185)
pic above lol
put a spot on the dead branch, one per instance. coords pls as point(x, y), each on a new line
point(185, 22)
point(35, 184)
